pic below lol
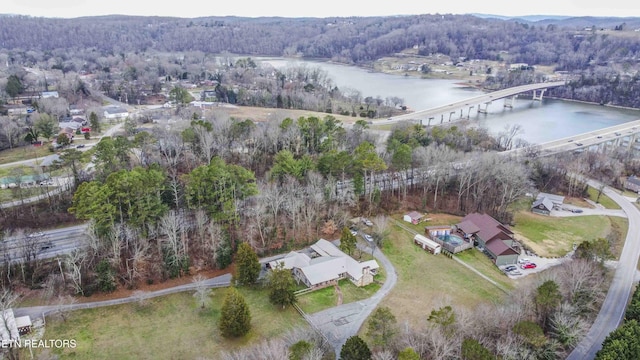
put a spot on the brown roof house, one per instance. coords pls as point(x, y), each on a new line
point(495, 238)
point(413, 217)
point(326, 265)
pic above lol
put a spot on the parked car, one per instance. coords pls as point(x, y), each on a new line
point(367, 222)
point(528, 266)
point(523, 261)
point(510, 268)
point(80, 146)
point(577, 211)
point(353, 232)
point(367, 237)
point(36, 234)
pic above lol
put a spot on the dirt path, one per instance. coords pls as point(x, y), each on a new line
point(339, 293)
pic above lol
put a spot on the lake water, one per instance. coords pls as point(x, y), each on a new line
point(541, 121)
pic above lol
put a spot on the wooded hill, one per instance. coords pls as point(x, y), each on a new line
point(350, 40)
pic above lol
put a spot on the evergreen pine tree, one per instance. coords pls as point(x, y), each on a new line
point(235, 317)
point(247, 265)
point(355, 349)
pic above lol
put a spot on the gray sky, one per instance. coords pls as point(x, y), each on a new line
point(317, 8)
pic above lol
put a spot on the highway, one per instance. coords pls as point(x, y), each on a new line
point(50, 244)
point(583, 141)
point(465, 104)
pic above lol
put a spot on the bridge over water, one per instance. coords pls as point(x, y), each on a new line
point(626, 136)
point(463, 108)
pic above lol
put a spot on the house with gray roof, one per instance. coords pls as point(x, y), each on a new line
point(542, 206)
point(632, 183)
point(326, 265)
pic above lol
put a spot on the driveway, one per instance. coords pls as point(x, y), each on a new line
point(341, 322)
point(587, 211)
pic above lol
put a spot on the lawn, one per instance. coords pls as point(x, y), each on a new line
point(482, 263)
point(24, 153)
point(554, 237)
point(426, 282)
point(322, 299)
point(604, 199)
point(433, 219)
point(170, 327)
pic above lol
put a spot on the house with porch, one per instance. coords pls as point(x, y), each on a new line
point(494, 238)
point(542, 206)
point(325, 265)
point(632, 183)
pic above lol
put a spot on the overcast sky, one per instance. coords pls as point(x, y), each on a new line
point(317, 8)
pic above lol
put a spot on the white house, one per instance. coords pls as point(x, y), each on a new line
point(328, 265)
point(115, 112)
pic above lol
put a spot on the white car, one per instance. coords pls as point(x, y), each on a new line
point(367, 222)
point(36, 234)
point(523, 261)
point(368, 237)
point(353, 232)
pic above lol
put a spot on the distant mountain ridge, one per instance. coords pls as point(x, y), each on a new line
point(569, 21)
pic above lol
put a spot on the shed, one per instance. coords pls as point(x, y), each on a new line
point(427, 244)
point(413, 217)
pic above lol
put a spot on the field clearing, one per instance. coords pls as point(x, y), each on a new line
point(554, 237)
point(265, 114)
point(426, 282)
point(170, 327)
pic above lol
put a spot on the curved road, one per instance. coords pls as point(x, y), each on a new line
point(341, 322)
point(615, 303)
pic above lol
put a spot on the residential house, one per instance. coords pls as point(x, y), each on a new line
point(326, 265)
point(632, 183)
point(413, 217)
point(495, 238)
point(557, 200)
point(542, 206)
point(115, 112)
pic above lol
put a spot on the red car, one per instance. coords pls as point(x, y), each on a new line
point(528, 266)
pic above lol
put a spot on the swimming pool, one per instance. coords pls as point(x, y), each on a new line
point(452, 239)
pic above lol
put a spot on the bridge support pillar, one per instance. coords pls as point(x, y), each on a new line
point(538, 98)
point(486, 107)
point(441, 118)
point(461, 110)
point(508, 102)
point(469, 113)
point(429, 121)
point(451, 113)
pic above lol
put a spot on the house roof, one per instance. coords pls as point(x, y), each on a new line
point(546, 202)
point(468, 227)
point(115, 110)
point(633, 180)
point(23, 321)
point(329, 265)
point(556, 199)
point(499, 248)
point(414, 215)
point(488, 227)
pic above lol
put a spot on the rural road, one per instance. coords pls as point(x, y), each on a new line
point(341, 322)
point(39, 311)
point(613, 308)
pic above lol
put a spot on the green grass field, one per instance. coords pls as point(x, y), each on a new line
point(554, 237)
point(604, 199)
point(426, 281)
point(170, 327)
point(24, 153)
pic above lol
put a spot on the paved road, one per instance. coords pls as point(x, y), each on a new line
point(341, 322)
point(39, 311)
point(614, 304)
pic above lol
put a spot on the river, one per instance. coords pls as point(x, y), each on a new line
point(540, 121)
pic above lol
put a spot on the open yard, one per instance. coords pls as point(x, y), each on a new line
point(604, 199)
point(326, 298)
point(171, 327)
point(554, 237)
point(426, 281)
point(24, 153)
